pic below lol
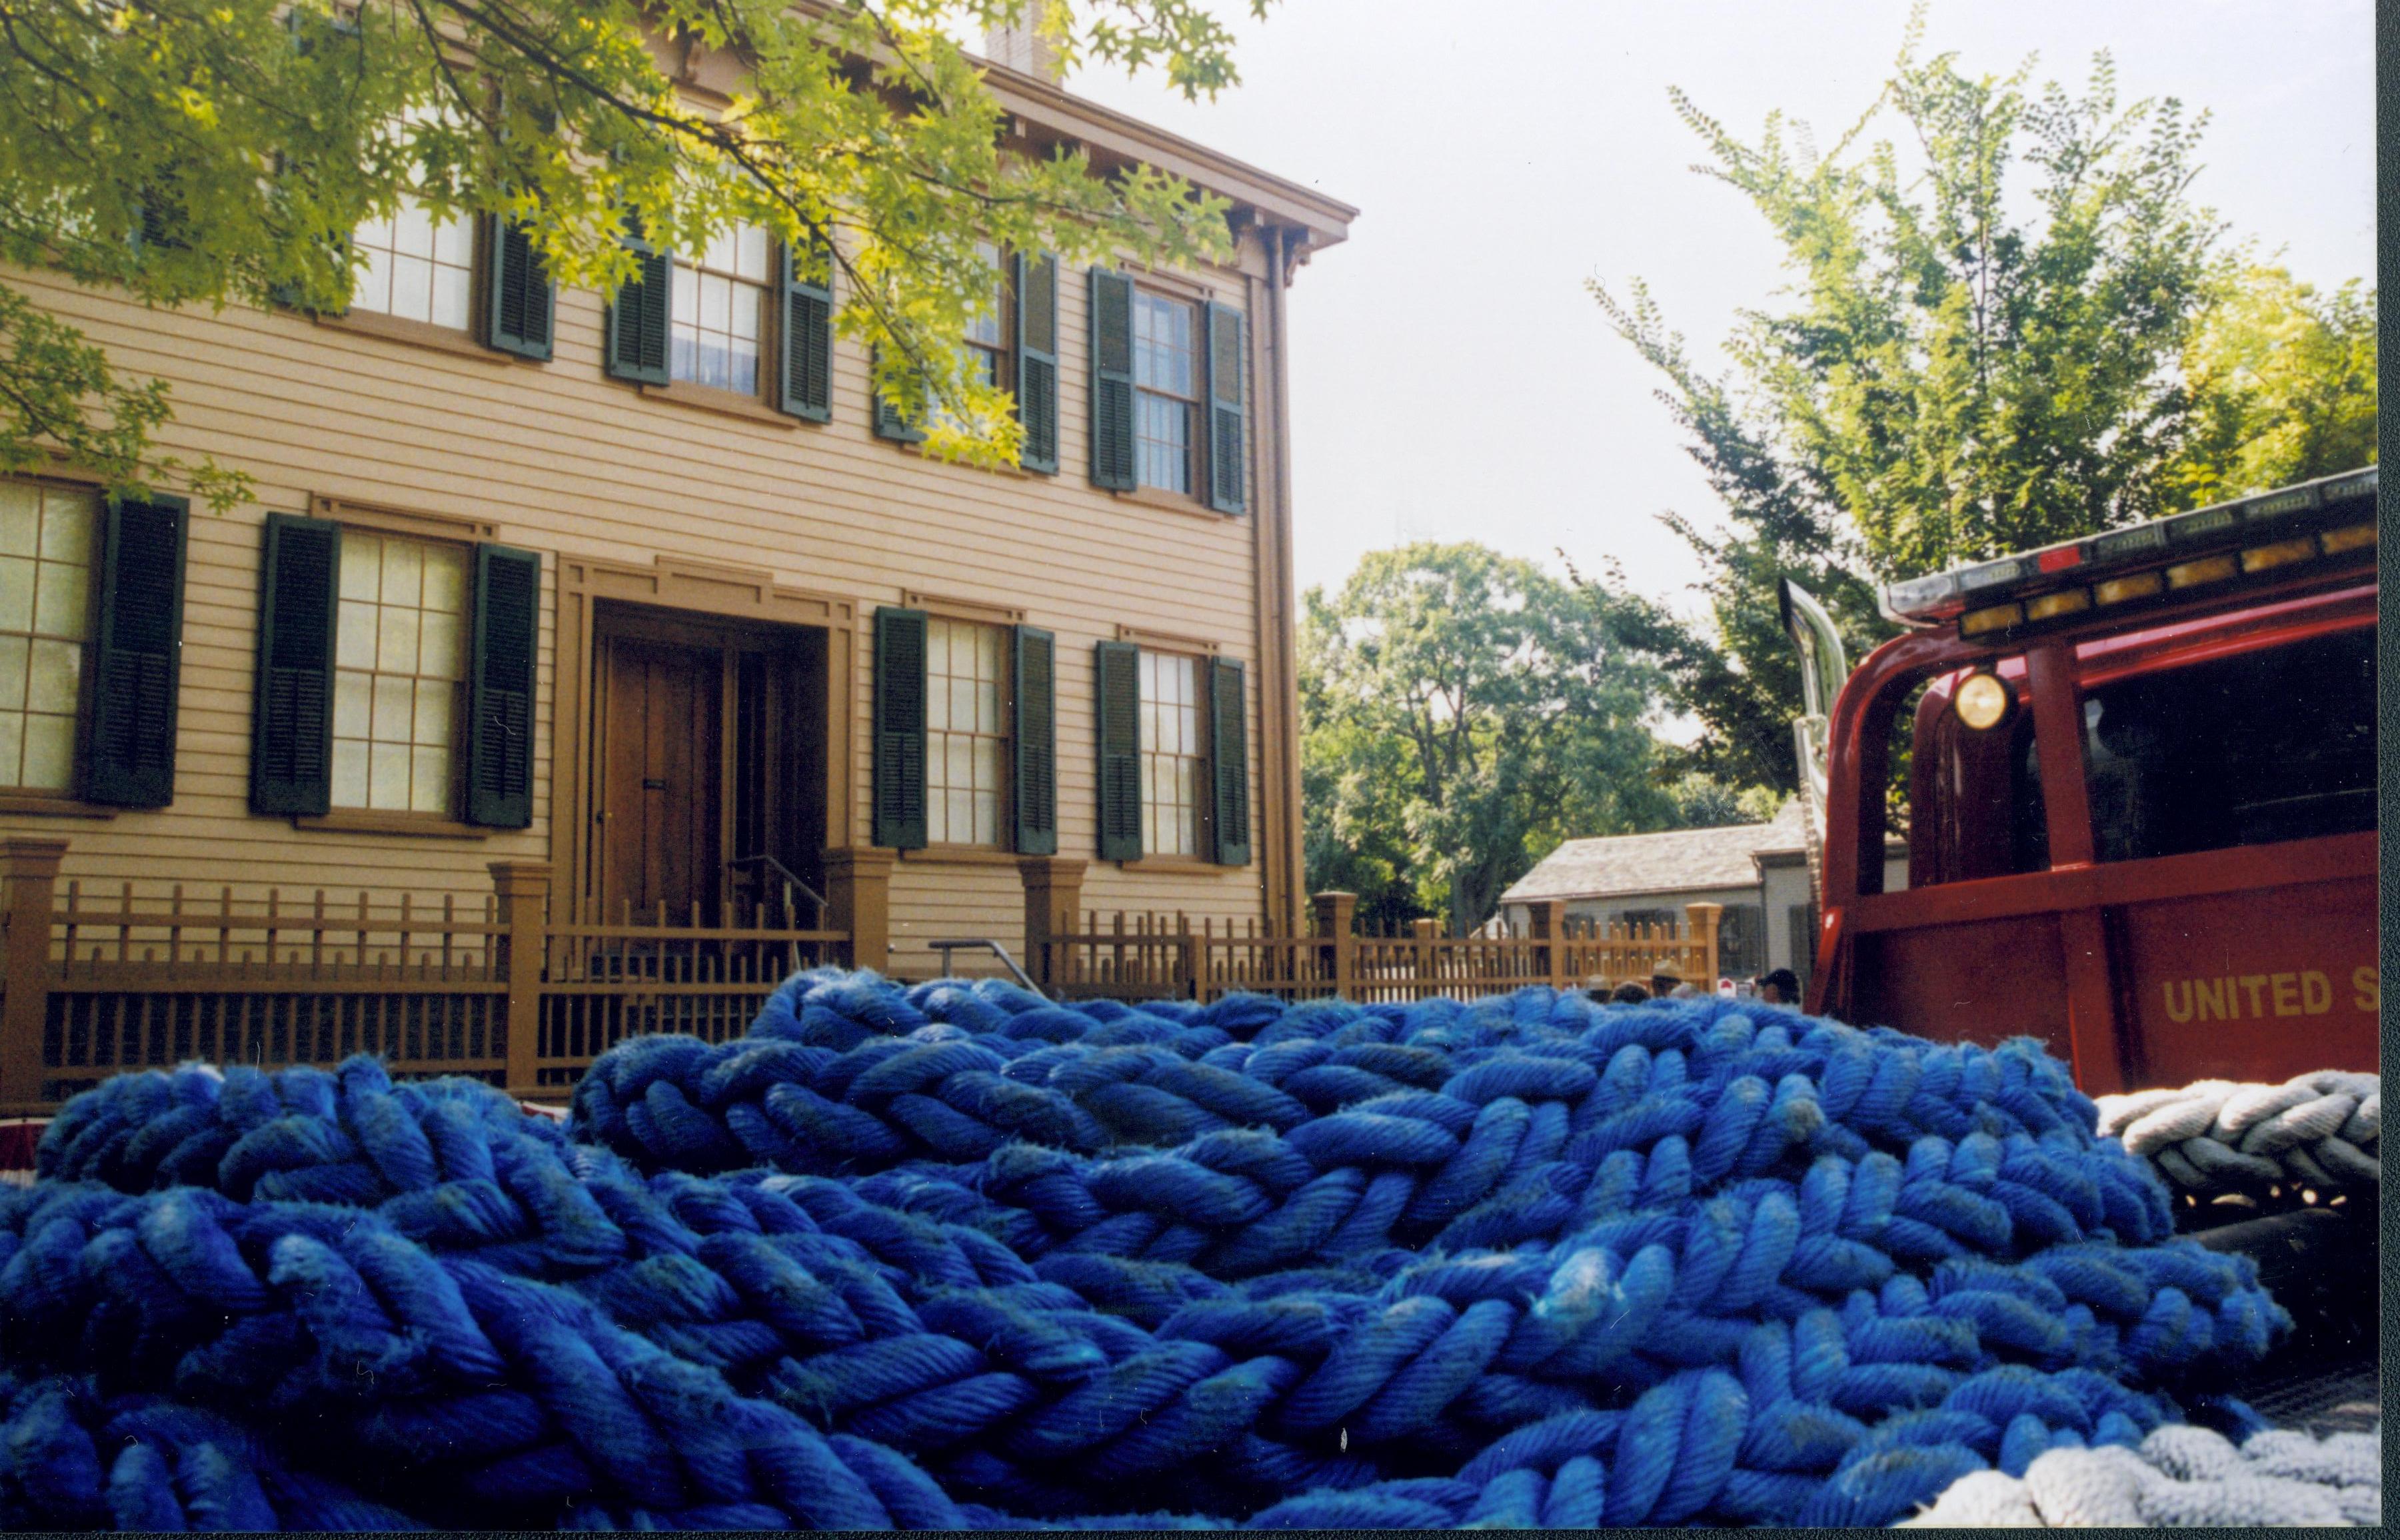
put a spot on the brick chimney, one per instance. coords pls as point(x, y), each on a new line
point(1019, 45)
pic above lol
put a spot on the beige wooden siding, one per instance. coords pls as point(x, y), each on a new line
point(561, 460)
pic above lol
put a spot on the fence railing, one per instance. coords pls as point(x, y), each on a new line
point(1158, 956)
point(98, 980)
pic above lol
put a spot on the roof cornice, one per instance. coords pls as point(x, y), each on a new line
point(1273, 200)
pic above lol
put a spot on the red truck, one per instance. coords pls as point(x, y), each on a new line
point(2141, 809)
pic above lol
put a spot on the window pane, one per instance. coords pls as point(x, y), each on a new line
point(16, 594)
point(13, 655)
point(56, 672)
point(429, 786)
point(361, 565)
point(438, 647)
point(21, 518)
point(59, 601)
point(445, 578)
point(387, 776)
point(397, 648)
point(432, 724)
point(49, 753)
point(404, 573)
point(352, 693)
point(349, 773)
point(66, 526)
point(395, 708)
point(354, 644)
point(12, 748)
point(412, 289)
point(451, 306)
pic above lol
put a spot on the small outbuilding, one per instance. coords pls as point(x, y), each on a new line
point(1759, 872)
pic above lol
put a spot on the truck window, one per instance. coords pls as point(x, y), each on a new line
point(2272, 745)
point(1975, 808)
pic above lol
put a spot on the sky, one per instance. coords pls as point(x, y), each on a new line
point(1451, 377)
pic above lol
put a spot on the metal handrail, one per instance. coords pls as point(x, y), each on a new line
point(791, 878)
point(995, 949)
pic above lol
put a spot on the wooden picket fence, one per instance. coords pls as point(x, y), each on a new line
point(1132, 956)
point(98, 980)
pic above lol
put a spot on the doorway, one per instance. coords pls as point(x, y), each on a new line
point(708, 770)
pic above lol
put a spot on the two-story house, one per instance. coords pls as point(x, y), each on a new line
point(644, 589)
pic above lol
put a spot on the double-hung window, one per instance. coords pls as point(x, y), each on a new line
point(1167, 393)
point(481, 277)
point(416, 268)
point(964, 731)
point(719, 311)
point(46, 534)
point(988, 339)
point(90, 630)
point(966, 734)
point(398, 668)
point(395, 672)
point(1174, 759)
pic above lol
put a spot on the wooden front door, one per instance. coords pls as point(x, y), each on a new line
point(709, 769)
point(661, 751)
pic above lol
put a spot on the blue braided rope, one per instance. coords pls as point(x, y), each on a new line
point(953, 1254)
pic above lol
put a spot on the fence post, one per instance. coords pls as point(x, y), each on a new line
point(28, 877)
point(858, 899)
point(523, 945)
point(1422, 932)
point(1337, 918)
point(1548, 919)
point(1054, 905)
point(1700, 930)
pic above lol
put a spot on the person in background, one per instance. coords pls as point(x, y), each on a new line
point(1780, 987)
point(1665, 978)
point(1596, 989)
point(1630, 993)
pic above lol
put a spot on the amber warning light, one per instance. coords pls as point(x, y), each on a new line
point(2298, 526)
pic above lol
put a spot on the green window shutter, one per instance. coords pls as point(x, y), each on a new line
point(807, 315)
point(1037, 361)
point(1034, 734)
point(501, 685)
point(1228, 439)
point(1112, 344)
point(1229, 755)
point(889, 423)
point(638, 316)
point(128, 749)
point(900, 727)
point(292, 726)
point(518, 296)
point(1116, 705)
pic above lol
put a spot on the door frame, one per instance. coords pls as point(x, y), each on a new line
point(701, 590)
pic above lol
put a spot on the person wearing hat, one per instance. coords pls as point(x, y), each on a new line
point(1779, 988)
point(1596, 989)
point(1665, 977)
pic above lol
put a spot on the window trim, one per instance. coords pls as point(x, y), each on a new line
point(433, 530)
point(416, 333)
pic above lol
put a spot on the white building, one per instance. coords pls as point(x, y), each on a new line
point(1759, 872)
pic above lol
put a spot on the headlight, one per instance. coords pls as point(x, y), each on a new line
point(1983, 701)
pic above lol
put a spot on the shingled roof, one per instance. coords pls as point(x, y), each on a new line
point(1621, 866)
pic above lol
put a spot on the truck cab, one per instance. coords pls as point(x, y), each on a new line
point(2140, 797)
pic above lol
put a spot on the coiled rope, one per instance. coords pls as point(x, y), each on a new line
point(954, 1255)
point(2320, 1131)
point(2181, 1475)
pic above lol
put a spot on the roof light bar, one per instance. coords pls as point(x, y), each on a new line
point(2286, 527)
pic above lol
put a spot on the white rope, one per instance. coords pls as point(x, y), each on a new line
point(2182, 1476)
point(2317, 1130)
